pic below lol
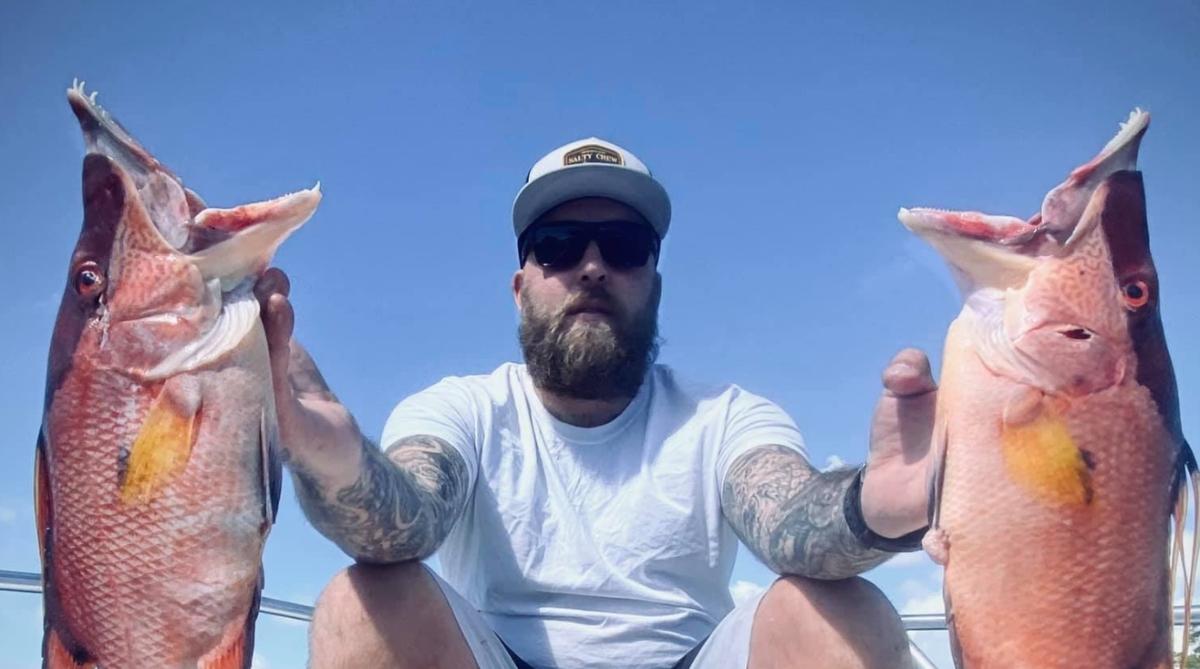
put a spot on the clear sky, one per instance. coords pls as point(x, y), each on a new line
point(788, 134)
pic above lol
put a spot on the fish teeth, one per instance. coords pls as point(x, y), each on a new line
point(79, 86)
point(1137, 121)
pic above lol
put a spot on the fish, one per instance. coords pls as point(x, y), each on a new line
point(157, 467)
point(1059, 456)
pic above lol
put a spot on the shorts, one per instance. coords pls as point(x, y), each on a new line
point(728, 647)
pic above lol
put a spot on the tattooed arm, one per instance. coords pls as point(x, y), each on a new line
point(401, 507)
point(378, 507)
point(792, 516)
point(833, 524)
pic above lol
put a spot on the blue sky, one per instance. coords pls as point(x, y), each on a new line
point(787, 134)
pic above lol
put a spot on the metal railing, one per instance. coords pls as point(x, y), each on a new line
point(24, 581)
point(29, 582)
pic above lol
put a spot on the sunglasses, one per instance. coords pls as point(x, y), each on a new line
point(624, 245)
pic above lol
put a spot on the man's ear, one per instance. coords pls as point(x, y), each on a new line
point(517, 281)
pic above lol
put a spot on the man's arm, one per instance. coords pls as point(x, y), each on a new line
point(377, 507)
point(792, 516)
point(401, 507)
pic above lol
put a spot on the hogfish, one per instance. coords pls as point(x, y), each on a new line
point(157, 476)
point(1060, 455)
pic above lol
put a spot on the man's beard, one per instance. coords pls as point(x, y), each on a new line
point(589, 361)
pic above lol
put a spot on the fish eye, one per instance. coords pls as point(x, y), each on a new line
point(89, 280)
point(1136, 294)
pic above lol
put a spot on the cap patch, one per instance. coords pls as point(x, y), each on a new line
point(592, 153)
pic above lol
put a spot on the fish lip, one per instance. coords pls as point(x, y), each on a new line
point(1002, 230)
point(1063, 207)
point(104, 135)
point(1120, 153)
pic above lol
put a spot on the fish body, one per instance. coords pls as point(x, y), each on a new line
point(1059, 447)
point(157, 474)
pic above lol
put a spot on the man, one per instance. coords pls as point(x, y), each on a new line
point(587, 503)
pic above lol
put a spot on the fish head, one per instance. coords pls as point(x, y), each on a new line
point(1066, 299)
point(154, 268)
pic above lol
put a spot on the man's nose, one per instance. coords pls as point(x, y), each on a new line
point(592, 266)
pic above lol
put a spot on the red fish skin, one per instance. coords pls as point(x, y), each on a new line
point(155, 583)
point(1097, 592)
point(1058, 430)
point(157, 469)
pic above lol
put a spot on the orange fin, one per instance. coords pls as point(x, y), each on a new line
point(56, 656)
point(162, 447)
point(41, 498)
point(1041, 455)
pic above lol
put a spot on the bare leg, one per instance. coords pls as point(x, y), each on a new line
point(392, 616)
point(845, 624)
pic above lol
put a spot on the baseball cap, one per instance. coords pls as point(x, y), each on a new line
point(591, 167)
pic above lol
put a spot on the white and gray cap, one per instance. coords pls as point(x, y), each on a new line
point(591, 167)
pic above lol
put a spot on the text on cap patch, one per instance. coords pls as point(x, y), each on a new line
point(592, 153)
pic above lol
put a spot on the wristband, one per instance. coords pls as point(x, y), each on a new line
point(852, 508)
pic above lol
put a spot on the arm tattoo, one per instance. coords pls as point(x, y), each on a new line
point(790, 515)
point(401, 507)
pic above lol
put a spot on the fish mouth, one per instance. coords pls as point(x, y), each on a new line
point(228, 245)
point(255, 232)
point(104, 135)
point(1003, 230)
point(1120, 154)
point(996, 250)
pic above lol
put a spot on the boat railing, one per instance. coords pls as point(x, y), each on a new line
point(29, 582)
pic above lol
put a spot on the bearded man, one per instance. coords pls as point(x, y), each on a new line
point(587, 504)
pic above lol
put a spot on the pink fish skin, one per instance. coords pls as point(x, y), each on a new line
point(1057, 432)
point(157, 475)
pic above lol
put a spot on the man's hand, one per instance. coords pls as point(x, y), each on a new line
point(895, 491)
point(316, 431)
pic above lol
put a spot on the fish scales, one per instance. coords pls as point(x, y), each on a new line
point(157, 468)
point(1053, 585)
point(135, 569)
point(1057, 435)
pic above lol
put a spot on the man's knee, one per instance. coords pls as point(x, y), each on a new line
point(370, 588)
point(384, 616)
point(845, 623)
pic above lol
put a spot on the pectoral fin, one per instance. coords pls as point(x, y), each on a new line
point(272, 465)
point(41, 497)
point(162, 447)
point(1041, 456)
point(936, 542)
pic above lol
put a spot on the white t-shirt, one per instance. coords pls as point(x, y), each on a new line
point(594, 546)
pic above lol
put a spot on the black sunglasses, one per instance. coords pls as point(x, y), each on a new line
point(624, 245)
